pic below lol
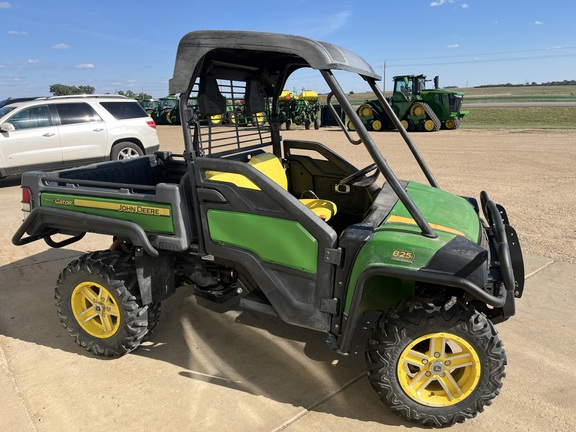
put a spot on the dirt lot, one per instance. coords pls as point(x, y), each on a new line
point(531, 172)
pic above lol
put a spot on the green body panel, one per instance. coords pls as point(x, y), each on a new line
point(151, 217)
point(398, 242)
point(277, 241)
point(447, 212)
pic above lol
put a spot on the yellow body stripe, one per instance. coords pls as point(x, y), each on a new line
point(410, 221)
point(125, 208)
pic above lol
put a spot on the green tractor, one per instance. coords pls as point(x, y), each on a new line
point(236, 114)
point(303, 109)
point(149, 105)
point(418, 108)
point(164, 113)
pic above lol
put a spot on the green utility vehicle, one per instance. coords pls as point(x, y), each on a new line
point(418, 108)
point(289, 228)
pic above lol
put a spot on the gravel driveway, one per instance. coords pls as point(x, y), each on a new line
point(531, 172)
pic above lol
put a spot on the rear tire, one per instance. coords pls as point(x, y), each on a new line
point(98, 303)
point(126, 150)
point(434, 366)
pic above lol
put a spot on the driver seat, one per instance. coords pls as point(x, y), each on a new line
point(269, 165)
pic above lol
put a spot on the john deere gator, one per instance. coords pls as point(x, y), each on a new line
point(290, 228)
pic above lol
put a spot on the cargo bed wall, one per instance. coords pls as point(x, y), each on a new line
point(146, 170)
point(129, 199)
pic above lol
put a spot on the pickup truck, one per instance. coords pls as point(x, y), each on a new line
point(288, 228)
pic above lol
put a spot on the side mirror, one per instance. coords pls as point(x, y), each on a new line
point(7, 127)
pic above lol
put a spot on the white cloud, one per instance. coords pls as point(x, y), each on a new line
point(440, 2)
point(323, 26)
point(332, 23)
point(61, 46)
point(85, 66)
point(5, 5)
point(33, 61)
point(465, 5)
point(537, 22)
point(17, 33)
point(453, 46)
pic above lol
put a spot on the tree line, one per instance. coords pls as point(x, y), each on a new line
point(551, 83)
point(67, 90)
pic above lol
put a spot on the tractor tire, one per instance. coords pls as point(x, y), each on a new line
point(259, 119)
point(288, 124)
point(417, 109)
point(365, 111)
point(350, 126)
point(432, 123)
point(307, 124)
point(216, 119)
point(429, 125)
point(453, 123)
point(125, 150)
point(317, 124)
point(98, 303)
point(435, 366)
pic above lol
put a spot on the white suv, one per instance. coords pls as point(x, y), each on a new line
point(66, 131)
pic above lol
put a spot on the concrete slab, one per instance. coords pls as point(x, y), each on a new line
point(205, 367)
point(218, 368)
point(539, 391)
point(215, 367)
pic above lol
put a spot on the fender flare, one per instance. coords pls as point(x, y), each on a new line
point(344, 341)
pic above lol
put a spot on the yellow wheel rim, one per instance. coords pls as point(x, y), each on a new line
point(216, 118)
point(260, 117)
point(417, 110)
point(95, 309)
point(429, 125)
point(404, 124)
point(351, 126)
point(449, 124)
point(438, 370)
point(365, 111)
point(376, 125)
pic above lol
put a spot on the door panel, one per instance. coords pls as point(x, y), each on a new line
point(271, 237)
point(34, 144)
point(83, 134)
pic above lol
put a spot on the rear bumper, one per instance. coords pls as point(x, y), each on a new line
point(152, 149)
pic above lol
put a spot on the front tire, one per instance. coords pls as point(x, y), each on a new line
point(98, 303)
point(435, 366)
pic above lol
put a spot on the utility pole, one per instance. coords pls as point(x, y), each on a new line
point(384, 77)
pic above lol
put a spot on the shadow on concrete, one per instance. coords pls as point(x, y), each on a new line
point(10, 181)
point(218, 344)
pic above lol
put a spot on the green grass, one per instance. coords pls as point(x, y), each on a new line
point(520, 94)
point(561, 93)
point(520, 118)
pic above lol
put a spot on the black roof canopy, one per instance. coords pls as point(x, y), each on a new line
point(239, 54)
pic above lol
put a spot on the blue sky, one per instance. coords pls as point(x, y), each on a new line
point(125, 45)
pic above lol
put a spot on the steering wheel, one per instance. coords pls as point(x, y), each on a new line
point(360, 173)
